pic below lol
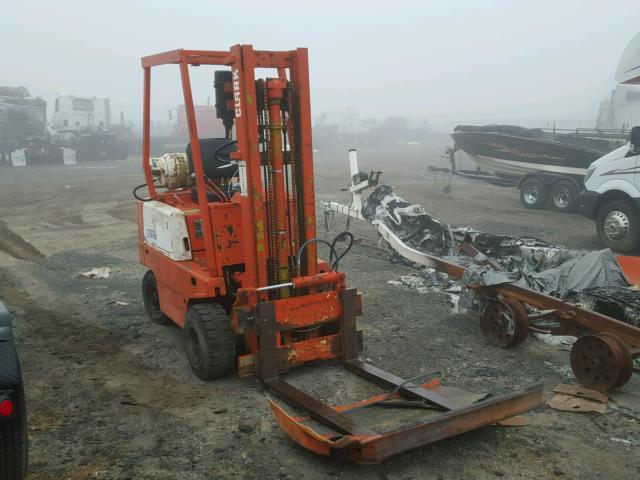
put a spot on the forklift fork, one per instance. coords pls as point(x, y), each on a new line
point(343, 431)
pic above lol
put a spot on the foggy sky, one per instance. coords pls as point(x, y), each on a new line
point(445, 62)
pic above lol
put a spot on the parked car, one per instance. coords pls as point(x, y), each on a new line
point(13, 413)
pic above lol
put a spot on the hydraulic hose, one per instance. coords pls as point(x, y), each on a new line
point(334, 258)
point(135, 193)
point(310, 241)
point(338, 238)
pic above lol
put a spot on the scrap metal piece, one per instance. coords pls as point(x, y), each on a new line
point(561, 284)
point(569, 403)
point(577, 391)
point(517, 421)
point(436, 426)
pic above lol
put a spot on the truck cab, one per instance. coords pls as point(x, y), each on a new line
point(84, 124)
point(611, 196)
point(78, 114)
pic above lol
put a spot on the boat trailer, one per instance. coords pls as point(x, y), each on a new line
point(601, 358)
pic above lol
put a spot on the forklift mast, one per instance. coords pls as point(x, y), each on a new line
point(274, 157)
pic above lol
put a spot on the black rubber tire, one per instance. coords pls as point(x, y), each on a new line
point(542, 193)
point(14, 447)
point(631, 242)
point(569, 200)
point(152, 300)
point(210, 341)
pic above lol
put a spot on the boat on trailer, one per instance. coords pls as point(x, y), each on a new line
point(514, 151)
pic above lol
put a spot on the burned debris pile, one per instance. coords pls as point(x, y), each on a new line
point(591, 278)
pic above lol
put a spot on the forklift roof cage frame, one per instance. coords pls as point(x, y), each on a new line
point(243, 60)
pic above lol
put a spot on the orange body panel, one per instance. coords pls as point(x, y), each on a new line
point(320, 348)
point(194, 227)
point(181, 282)
point(227, 234)
point(300, 312)
point(630, 266)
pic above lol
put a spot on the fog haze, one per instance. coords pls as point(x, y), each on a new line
point(444, 62)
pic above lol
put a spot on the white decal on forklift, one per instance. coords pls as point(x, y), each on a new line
point(242, 175)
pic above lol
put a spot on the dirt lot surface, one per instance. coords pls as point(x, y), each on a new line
point(111, 395)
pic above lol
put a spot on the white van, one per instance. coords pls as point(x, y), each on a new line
point(611, 196)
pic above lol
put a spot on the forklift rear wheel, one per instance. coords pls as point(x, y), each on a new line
point(152, 300)
point(602, 361)
point(504, 322)
point(211, 342)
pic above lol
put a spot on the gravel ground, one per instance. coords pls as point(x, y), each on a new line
point(111, 395)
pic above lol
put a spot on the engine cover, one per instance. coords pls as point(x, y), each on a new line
point(165, 229)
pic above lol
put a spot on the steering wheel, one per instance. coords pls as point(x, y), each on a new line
point(224, 157)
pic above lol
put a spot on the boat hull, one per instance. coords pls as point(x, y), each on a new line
point(513, 155)
point(518, 168)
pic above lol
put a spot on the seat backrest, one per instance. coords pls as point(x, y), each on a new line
point(208, 149)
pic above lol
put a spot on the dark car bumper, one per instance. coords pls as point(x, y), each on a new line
point(10, 375)
point(589, 203)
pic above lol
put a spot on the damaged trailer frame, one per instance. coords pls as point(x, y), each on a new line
point(602, 357)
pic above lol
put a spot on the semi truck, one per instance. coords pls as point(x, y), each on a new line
point(84, 124)
point(24, 136)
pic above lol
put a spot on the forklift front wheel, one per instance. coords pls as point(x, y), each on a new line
point(151, 299)
point(211, 342)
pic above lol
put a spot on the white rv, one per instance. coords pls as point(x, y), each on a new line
point(611, 194)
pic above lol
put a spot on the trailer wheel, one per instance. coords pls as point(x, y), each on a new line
point(618, 226)
point(601, 361)
point(504, 322)
point(564, 196)
point(533, 193)
point(211, 341)
point(14, 443)
point(152, 300)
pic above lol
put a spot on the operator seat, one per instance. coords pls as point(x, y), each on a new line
point(209, 147)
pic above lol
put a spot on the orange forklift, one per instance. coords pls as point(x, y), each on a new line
point(228, 234)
